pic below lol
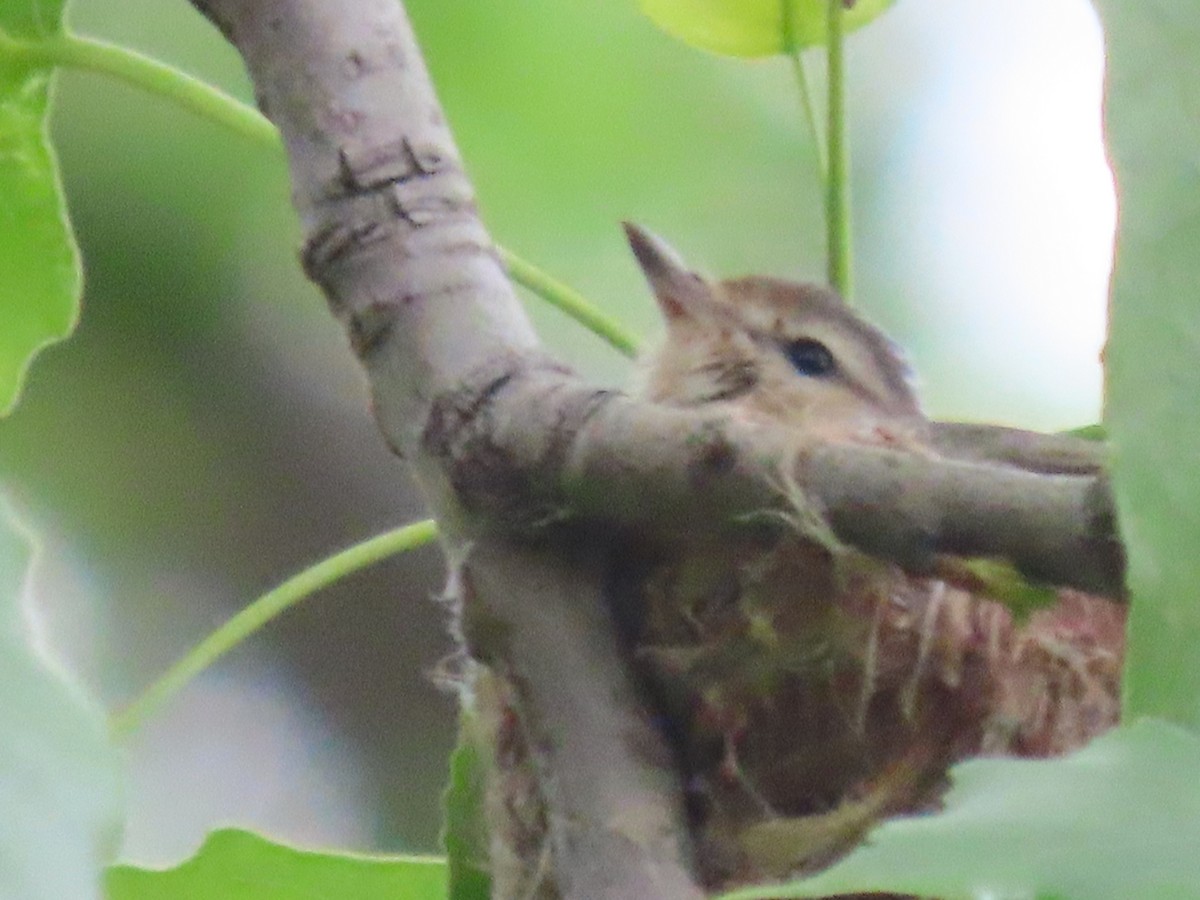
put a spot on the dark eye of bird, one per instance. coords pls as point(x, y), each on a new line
point(810, 358)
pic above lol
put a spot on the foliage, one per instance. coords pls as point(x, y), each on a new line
point(39, 266)
point(239, 865)
point(464, 835)
point(1152, 380)
point(754, 27)
point(1113, 821)
point(59, 776)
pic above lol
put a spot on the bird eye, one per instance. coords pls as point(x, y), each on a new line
point(810, 358)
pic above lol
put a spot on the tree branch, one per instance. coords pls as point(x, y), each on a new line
point(535, 446)
point(606, 779)
point(393, 238)
point(1050, 454)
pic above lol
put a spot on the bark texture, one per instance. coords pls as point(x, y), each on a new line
point(523, 452)
point(522, 464)
point(393, 239)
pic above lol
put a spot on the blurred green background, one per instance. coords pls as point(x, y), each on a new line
point(205, 434)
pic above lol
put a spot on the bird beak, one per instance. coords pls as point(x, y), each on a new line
point(677, 288)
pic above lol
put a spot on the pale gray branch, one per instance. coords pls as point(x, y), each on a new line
point(1052, 454)
point(393, 238)
point(533, 445)
point(606, 779)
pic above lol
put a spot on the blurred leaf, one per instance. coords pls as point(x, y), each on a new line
point(1089, 432)
point(464, 835)
point(32, 18)
point(752, 27)
point(241, 865)
point(1000, 580)
point(1152, 413)
point(1118, 819)
point(58, 772)
point(39, 266)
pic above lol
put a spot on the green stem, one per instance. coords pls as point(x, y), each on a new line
point(263, 610)
point(810, 113)
point(570, 302)
point(209, 103)
point(800, 72)
point(837, 188)
point(194, 95)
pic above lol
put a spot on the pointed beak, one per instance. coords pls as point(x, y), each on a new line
point(658, 259)
point(674, 284)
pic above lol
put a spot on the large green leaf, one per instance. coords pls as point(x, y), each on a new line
point(752, 27)
point(1152, 360)
point(39, 265)
point(59, 796)
point(241, 865)
point(1117, 820)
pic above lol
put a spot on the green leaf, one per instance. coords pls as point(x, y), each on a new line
point(464, 835)
point(752, 27)
point(32, 18)
point(58, 771)
point(1089, 432)
point(1151, 361)
point(1118, 819)
point(241, 865)
point(1000, 580)
point(39, 265)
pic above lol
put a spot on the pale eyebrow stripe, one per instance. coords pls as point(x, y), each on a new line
point(886, 362)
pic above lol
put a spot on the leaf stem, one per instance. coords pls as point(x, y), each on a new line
point(800, 72)
point(263, 610)
point(837, 188)
point(133, 68)
point(218, 107)
point(570, 302)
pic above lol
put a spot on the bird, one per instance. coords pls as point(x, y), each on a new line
point(809, 690)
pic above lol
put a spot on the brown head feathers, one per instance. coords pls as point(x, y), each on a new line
point(779, 350)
